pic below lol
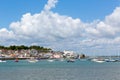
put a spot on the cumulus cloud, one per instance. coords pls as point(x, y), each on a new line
point(50, 4)
point(63, 32)
point(50, 26)
point(109, 28)
point(5, 34)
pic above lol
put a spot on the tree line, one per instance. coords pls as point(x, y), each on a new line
point(21, 47)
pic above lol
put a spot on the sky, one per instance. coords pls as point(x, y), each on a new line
point(91, 27)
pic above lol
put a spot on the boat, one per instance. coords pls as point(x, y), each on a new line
point(16, 60)
point(1, 61)
point(32, 60)
point(70, 60)
point(110, 60)
point(98, 60)
point(50, 60)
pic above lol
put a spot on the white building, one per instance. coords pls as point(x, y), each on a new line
point(68, 54)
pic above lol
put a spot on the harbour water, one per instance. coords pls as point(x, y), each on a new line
point(59, 70)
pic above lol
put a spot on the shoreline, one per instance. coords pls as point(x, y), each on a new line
point(22, 58)
point(13, 58)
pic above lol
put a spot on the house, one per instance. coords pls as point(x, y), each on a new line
point(68, 54)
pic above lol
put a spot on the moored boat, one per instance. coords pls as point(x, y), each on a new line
point(50, 60)
point(32, 60)
point(71, 60)
point(98, 60)
point(111, 60)
point(2, 61)
point(16, 60)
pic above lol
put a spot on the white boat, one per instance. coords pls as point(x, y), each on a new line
point(32, 60)
point(71, 60)
point(98, 60)
point(50, 60)
point(111, 60)
point(2, 61)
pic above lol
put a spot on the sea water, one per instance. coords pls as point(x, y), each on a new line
point(59, 70)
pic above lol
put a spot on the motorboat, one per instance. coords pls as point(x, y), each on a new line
point(32, 60)
point(71, 60)
point(98, 60)
point(50, 60)
point(111, 60)
point(2, 61)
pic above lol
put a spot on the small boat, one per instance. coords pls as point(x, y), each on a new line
point(32, 60)
point(1, 61)
point(111, 60)
point(71, 60)
point(50, 60)
point(98, 60)
point(16, 60)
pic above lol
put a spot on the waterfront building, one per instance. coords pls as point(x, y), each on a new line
point(69, 54)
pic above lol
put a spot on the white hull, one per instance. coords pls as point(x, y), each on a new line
point(32, 61)
point(1, 61)
point(71, 60)
point(50, 60)
point(98, 60)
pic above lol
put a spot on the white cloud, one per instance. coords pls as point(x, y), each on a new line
point(50, 4)
point(63, 32)
point(109, 28)
point(114, 18)
point(5, 34)
point(50, 26)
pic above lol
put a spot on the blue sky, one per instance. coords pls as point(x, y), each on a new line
point(84, 26)
point(86, 10)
